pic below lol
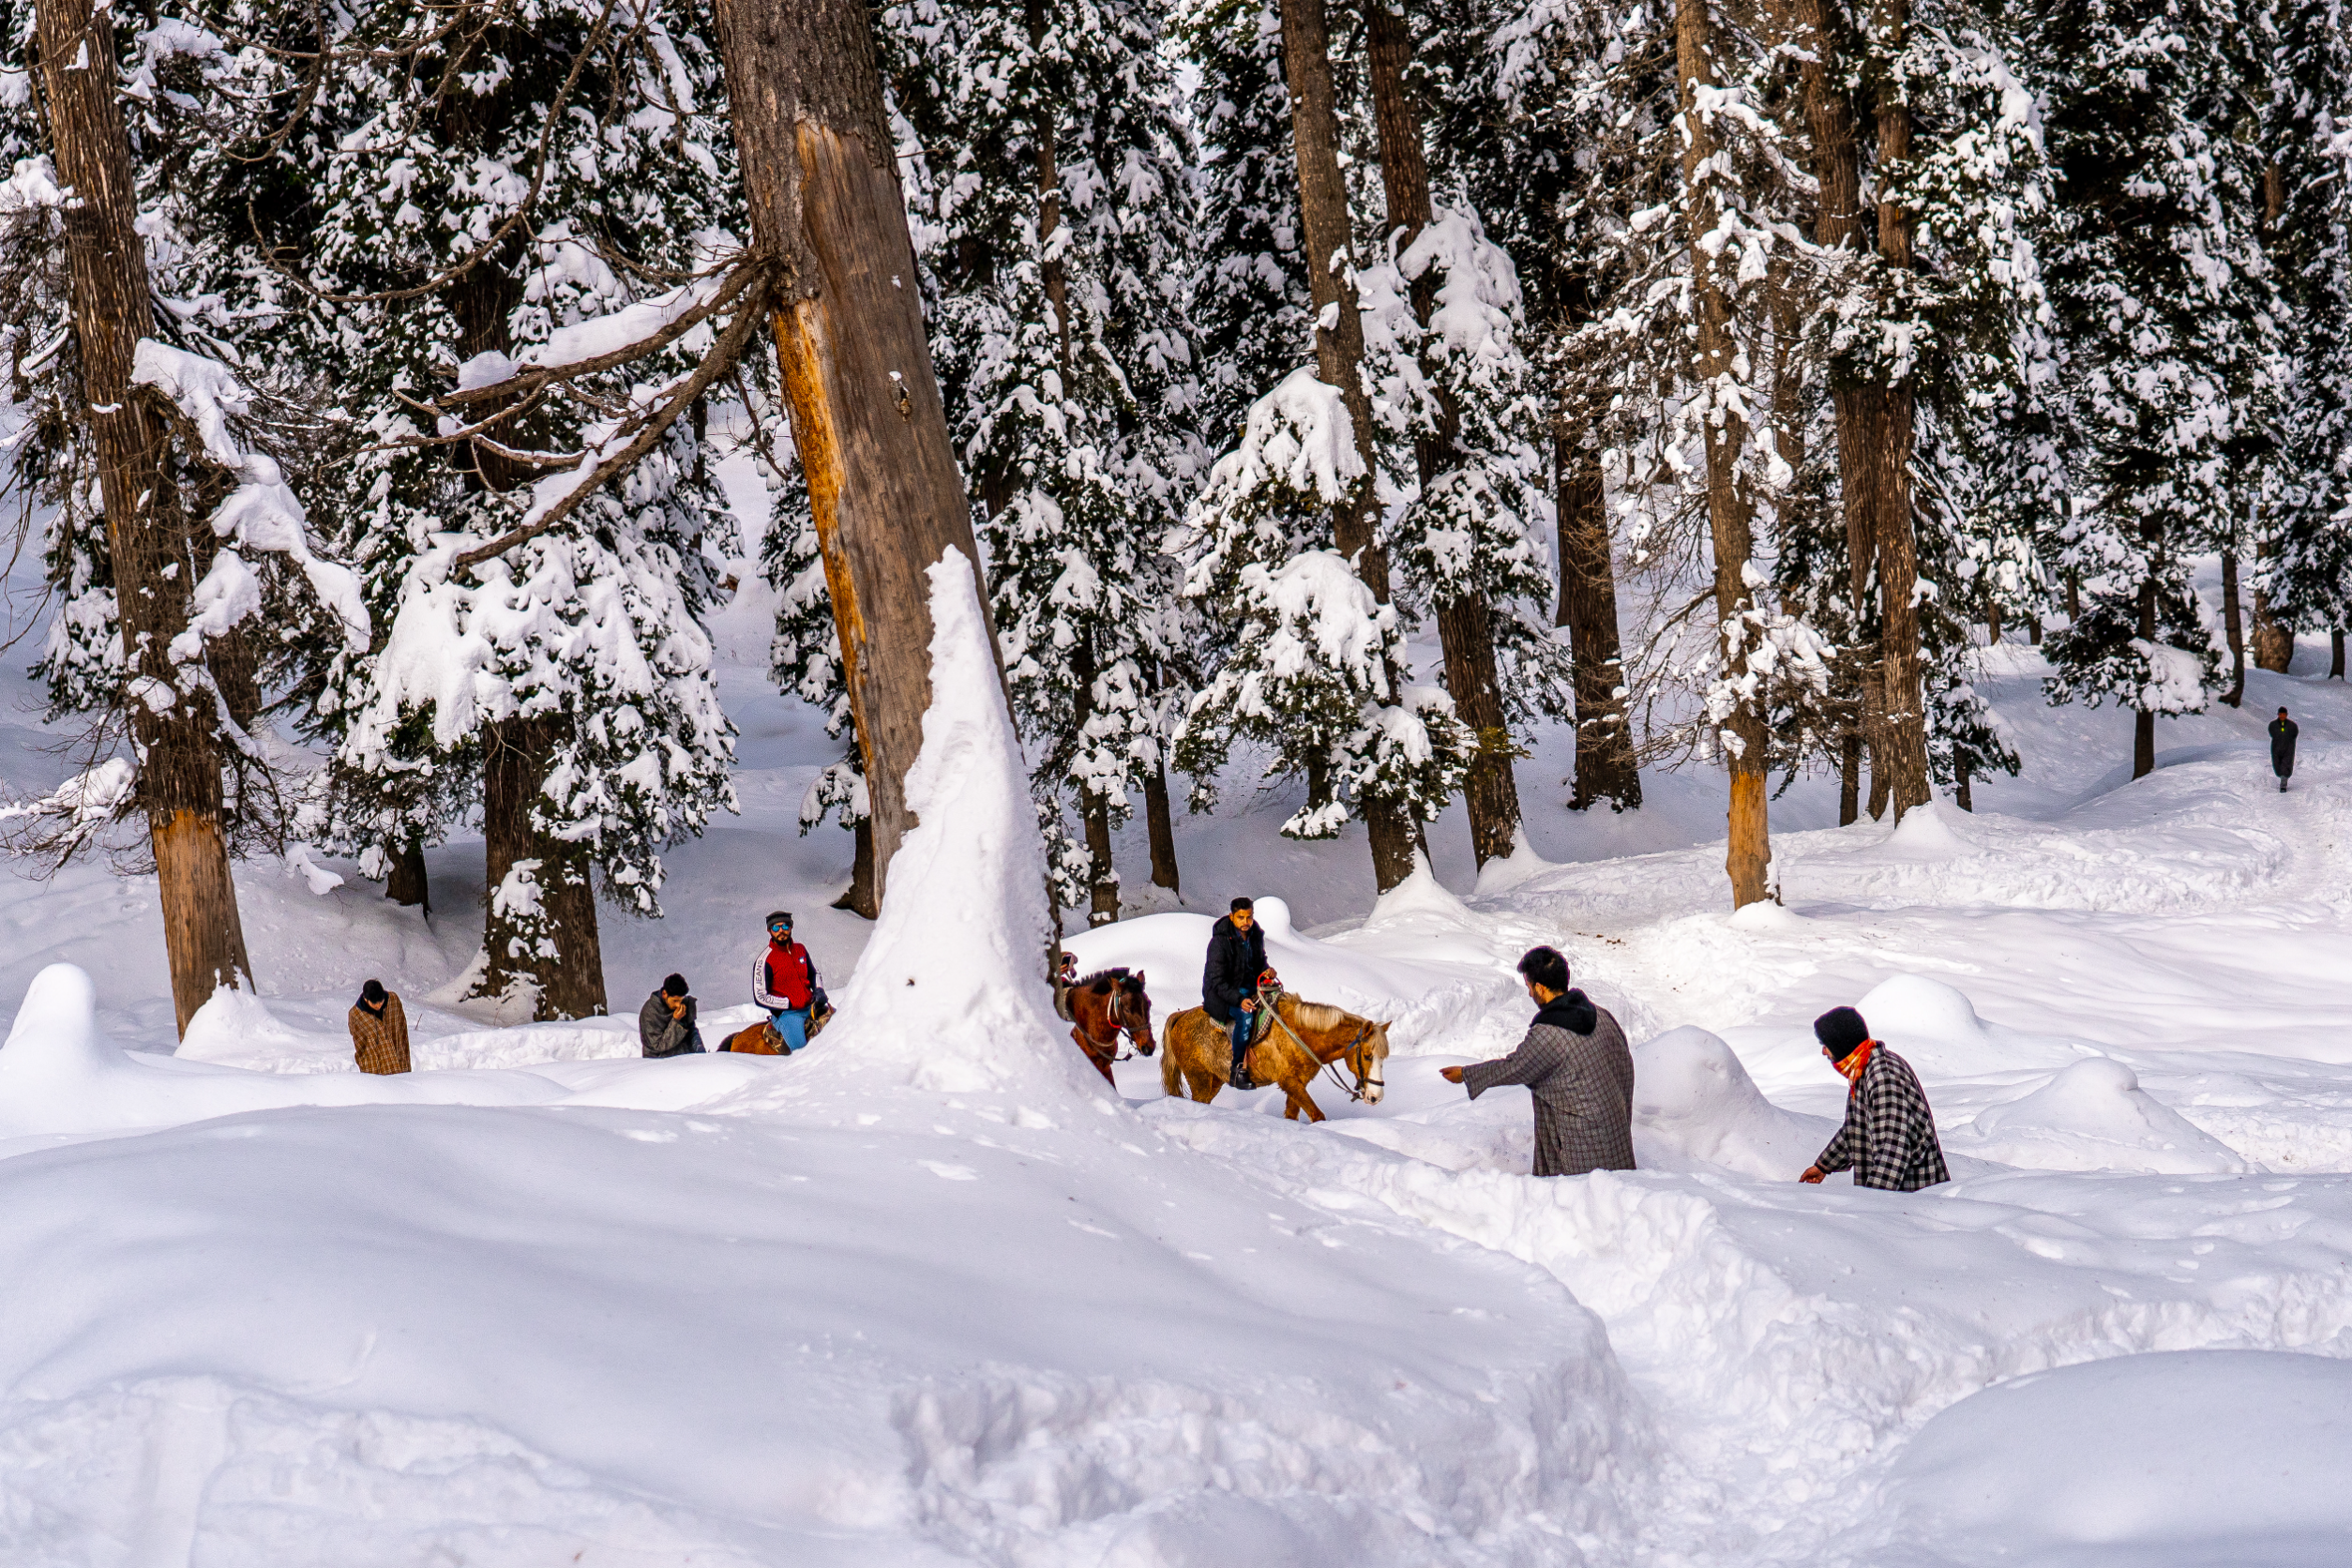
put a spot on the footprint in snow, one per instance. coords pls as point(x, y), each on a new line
point(949, 1172)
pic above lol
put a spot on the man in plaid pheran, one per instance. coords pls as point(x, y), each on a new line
point(378, 1031)
point(1889, 1138)
point(1578, 1070)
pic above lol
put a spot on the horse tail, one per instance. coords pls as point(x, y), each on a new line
point(1167, 1063)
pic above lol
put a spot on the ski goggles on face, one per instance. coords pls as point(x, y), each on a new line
point(779, 928)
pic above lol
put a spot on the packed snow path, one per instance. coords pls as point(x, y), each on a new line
point(925, 1297)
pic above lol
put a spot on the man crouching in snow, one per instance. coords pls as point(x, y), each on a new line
point(1578, 1070)
point(1890, 1134)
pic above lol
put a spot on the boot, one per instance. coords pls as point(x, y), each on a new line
point(2282, 786)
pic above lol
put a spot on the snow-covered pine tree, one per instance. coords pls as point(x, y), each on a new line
point(1523, 148)
point(1250, 312)
point(1311, 655)
point(2157, 286)
point(162, 449)
point(504, 210)
point(1055, 235)
point(1456, 390)
point(2306, 553)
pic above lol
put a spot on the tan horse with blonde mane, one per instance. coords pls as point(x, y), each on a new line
point(1305, 1037)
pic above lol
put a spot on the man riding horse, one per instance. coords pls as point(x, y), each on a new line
point(1229, 980)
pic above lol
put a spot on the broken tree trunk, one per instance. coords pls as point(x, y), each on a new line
point(149, 533)
point(820, 178)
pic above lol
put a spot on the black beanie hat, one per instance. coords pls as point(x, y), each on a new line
point(373, 993)
point(1842, 1029)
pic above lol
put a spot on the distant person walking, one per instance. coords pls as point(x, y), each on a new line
point(1889, 1138)
point(378, 1029)
point(1228, 981)
point(665, 1025)
point(2282, 733)
point(1578, 1070)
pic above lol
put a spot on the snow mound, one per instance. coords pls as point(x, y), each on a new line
point(1694, 1103)
point(950, 995)
point(59, 1078)
point(1934, 1028)
point(2095, 1116)
point(2176, 1459)
point(236, 1029)
point(1925, 833)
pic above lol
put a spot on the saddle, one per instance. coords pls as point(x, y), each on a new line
point(1263, 1020)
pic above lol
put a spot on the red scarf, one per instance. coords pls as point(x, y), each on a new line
point(1855, 1061)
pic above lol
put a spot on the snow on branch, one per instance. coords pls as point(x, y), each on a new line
point(263, 511)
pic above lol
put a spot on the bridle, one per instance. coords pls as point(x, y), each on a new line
point(1121, 1016)
point(1361, 1062)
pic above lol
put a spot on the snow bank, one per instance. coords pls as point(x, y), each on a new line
point(58, 1077)
point(1694, 1104)
point(950, 994)
point(1934, 1028)
point(2094, 1116)
point(2181, 1460)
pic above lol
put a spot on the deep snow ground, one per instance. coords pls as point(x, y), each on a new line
point(858, 1308)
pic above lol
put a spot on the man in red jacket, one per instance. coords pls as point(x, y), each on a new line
point(786, 983)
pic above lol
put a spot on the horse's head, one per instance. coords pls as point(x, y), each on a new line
point(1134, 1013)
point(1371, 1065)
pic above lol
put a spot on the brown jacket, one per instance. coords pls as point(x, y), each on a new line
point(380, 1044)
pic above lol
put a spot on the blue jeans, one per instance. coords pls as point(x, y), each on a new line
point(792, 1023)
point(1242, 1023)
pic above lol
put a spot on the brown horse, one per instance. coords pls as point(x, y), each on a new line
point(1100, 1008)
point(1305, 1037)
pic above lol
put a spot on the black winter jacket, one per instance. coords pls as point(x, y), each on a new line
point(2282, 733)
point(1235, 962)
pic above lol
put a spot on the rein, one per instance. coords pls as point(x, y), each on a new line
point(1329, 1065)
point(1121, 1022)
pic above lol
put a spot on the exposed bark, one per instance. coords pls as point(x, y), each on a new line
point(2144, 722)
point(2033, 630)
point(861, 898)
point(2232, 625)
point(407, 883)
point(1465, 633)
point(1339, 347)
point(2335, 654)
point(1992, 623)
point(2273, 639)
point(821, 179)
point(1960, 788)
point(1728, 507)
point(1849, 752)
point(1160, 828)
point(565, 964)
point(1104, 875)
point(1605, 769)
point(1906, 716)
point(148, 528)
point(1837, 225)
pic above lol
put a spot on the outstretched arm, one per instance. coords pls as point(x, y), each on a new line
point(1534, 1060)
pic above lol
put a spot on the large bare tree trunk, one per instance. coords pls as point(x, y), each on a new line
point(860, 898)
point(1466, 632)
point(150, 536)
point(407, 884)
point(2233, 626)
point(563, 958)
point(1837, 226)
point(2273, 639)
point(2144, 722)
point(1606, 770)
point(820, 178)
point(1339, 348)
point(1906, 716)
point(1728, 505)
point(1160, 828)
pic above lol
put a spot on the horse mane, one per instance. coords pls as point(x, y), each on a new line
point(1320, 1015)
point(1102, 980)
